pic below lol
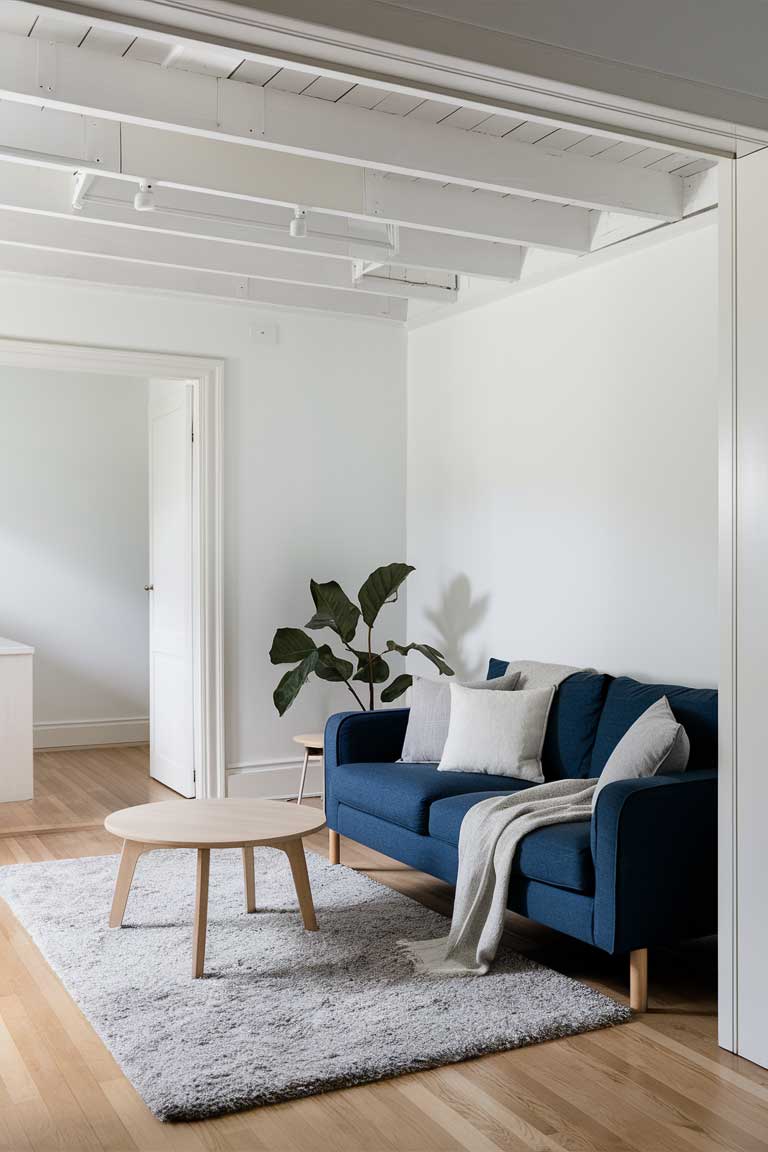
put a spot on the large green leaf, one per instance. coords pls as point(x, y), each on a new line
point(331, 667)
point(379, 667)
point(293, 681)
point(394, 690)
point(381, 587)
point(290, 645)
point(334, 609)
point(427, 650)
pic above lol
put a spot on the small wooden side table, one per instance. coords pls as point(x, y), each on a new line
point(206, 824)
point(312, 743)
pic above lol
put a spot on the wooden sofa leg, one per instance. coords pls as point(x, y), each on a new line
point(334, 847)
point(638, 980)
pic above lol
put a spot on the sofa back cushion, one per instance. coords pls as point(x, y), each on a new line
point(694, 708)
point(572, 725)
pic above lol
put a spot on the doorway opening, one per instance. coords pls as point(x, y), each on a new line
point(158, 511)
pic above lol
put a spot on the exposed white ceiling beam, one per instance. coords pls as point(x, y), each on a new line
point(197, 164)
point(48, 191)
point(145, 277)
point(702, 192)
point(522, 84)
point(75, 80)
point(411, 283)
point(483, 216)
point(472, 257)
point(417, 249)
point(80, 185)
point(78, 235)
point(411, 147)
point(266, 226)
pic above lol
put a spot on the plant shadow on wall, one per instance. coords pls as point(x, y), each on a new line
point(454, 619)
point(367, 668)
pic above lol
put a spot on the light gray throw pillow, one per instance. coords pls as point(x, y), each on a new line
point(656, 742)
point(430, 715)
point(499, 733)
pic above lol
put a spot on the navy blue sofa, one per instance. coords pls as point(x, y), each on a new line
point(642, 872)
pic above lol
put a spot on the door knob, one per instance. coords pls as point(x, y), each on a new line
point(149, 587)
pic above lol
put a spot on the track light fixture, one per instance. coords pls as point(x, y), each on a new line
point(144, 200)
point(298, 226)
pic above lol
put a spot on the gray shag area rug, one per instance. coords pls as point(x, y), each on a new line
point(280, 1012)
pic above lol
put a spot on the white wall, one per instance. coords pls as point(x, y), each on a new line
point(562, 471)
point(73, 543)
point(314, 432)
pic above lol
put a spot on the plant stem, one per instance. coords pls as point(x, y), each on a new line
point(347, 681)
point(370, 670)
point(355, 695)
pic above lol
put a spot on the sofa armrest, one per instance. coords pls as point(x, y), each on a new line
point(654, 843)
point(360, 738)
point(356, 737)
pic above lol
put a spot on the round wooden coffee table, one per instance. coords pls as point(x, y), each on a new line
point(206, 824)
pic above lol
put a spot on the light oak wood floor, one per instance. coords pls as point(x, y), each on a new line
point(658, 1084)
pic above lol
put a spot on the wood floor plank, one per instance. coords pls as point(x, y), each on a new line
point(533, 1099)
point(462, 1086)
point(69, 1119)
point(71, 1065)
point(145, 1131)
point(748, 1077)
point(657, 1084)
point(607, 1097)
point(19, 1083)
point(461, 1123)
point(34, 978)
point(738, 1118)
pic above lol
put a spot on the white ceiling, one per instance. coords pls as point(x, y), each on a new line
point(203, 241)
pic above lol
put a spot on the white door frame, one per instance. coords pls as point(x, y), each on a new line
point(727, 761)
point(207, 377)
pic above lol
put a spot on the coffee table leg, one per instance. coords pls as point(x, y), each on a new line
point(128, 857)
point(294, 850)
point(201, 911)
point(250, 886)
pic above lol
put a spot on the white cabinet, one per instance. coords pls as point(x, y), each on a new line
point(15, 721)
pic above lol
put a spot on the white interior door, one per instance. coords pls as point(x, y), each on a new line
point(171, 667)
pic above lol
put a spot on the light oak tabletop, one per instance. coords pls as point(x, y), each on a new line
point(214, 823)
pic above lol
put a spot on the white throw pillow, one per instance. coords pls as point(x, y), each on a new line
point(656, 742)
point(430, 714)
point(500, 733)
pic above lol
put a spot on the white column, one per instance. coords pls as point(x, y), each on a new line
point(15, 721)
point(744, 592)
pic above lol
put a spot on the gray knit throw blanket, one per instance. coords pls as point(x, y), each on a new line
point(490, 834)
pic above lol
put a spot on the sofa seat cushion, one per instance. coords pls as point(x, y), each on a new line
point(559, 854)
point(402, 793)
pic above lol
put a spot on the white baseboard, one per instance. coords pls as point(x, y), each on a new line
point(79, 733)
point(273, 779)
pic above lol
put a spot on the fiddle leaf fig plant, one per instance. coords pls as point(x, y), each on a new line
point(335, 611)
